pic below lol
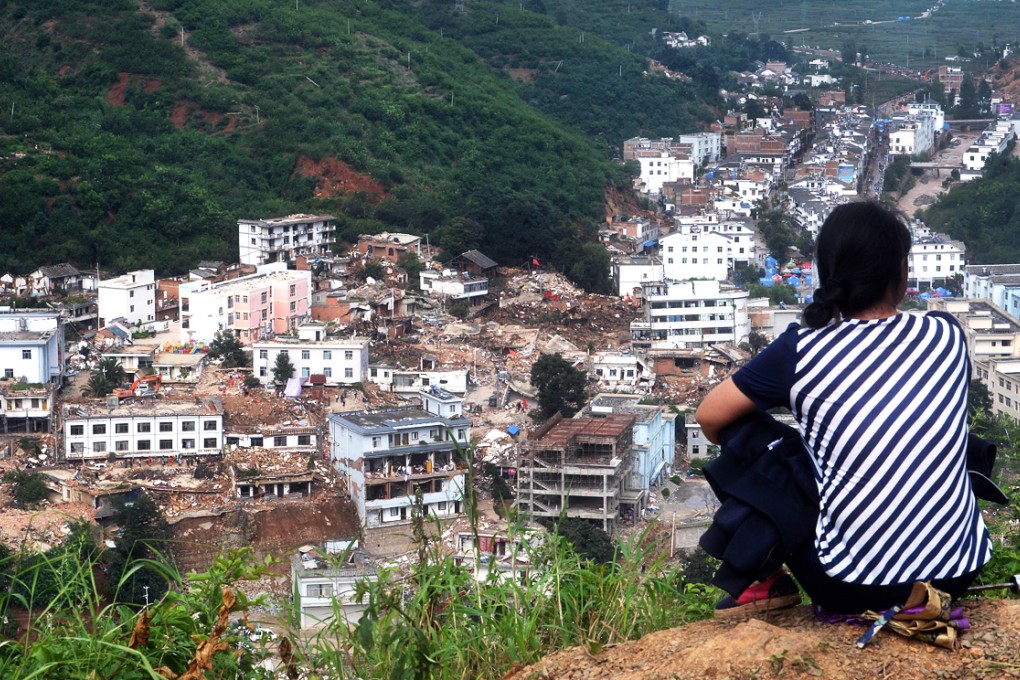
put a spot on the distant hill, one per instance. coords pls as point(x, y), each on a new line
point(133, 133)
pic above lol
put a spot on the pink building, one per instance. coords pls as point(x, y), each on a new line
point(272, 301)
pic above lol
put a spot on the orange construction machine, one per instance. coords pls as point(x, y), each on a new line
point(146, 386)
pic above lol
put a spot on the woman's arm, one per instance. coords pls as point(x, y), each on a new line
point(723, 406)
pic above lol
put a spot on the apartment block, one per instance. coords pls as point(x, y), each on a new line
point(691, 315)
point(282, 239)
point(141, 429)
point(389, 455)
point(272, 301)
point(31, 368)
point(131, 297)
point(341, 361)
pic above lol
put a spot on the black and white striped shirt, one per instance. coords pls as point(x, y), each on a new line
point(882, 409)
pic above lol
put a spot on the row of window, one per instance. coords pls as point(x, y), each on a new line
point(164, 426)
point(694, 260)
point(124, 445)
point(306, 354)
point(694, 249)
point(305, 372)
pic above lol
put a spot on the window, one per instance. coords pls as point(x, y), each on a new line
point(209, 443)
point(320, 590)
point(77, 448)
point(293, 289)
point(348, 355)
point(145, 427)
point(166, 444)
point(99, 428)
point(77, 430)
point(26, 354)
point(376, 441)
point(120, 428)
point(327, 355)
point(348, 372)
point(8, 372)
point(166, 426)
point(305, 372)
point(99, 447)
point(144, 444)
point(187, 443)
point(262, 371)
point(280, 441)
point(305, 354)
point(121, 445)
point(441, 506)
point(188, 426)
point(265, 297)
point(394, 512)
point(209, 426)
point(304, 440)
point(293, 306)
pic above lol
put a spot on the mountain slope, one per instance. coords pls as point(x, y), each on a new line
point(121, 146)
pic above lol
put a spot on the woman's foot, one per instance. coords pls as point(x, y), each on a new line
point(776, 592)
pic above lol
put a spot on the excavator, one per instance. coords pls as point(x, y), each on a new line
point(146, 386)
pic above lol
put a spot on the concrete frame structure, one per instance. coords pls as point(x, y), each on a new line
point(579, 467)
point(691, 315)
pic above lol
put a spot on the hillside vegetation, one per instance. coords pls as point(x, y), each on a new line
point(134, 134)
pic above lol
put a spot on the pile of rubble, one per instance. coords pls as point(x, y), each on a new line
point(40, 530)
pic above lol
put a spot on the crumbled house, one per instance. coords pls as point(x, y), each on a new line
point(143, 429)
point(271, 474)
point(324, 582)
point(388, 455)
point(452, 286)
point(31, 362)
point(580, 467)
point(282, 239)
point(312, 352)
point(410, 381)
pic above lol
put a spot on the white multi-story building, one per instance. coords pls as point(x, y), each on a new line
point(341, 361)
point(454, 286)
point(935, 259)
point(131, 297)
point(993, 140)
point(993, 282)
point(915, 136)
point(691, 315)
point(660, 167)
point(281, 239)
point(706, 147)
point(692, 253)
point(31, 368)
point(140, 429)
point(388, 454)
point(631, 271)
point(271, 301)
point(324, 587)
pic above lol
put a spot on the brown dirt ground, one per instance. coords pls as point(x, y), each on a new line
point(115, 96)
point(336, 178)
point(792, 644)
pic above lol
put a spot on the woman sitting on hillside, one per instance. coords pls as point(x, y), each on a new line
point(880, 398)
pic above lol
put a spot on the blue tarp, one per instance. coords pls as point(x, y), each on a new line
point(766, 281)
point(649, 244)
point(513, 430)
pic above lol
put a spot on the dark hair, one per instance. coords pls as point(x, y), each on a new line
point(859, 256)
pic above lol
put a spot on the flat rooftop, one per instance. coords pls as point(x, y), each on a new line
point(385, 419)
point(209, 406)
point(297, 218)
point(255, 281)
point(610, 427)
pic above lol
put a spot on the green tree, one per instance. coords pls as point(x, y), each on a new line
point(980, 399)
point(145, 535)
point(112, 371)
point(591, 270)
point(968, 107)
point(561, 387)
point(283, 369)
point(28, 488)
point(226, 346)
point(587, 539)
point(372, 269)
point(97, 386)
point(410, 263)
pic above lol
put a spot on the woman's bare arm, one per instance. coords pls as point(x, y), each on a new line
point(723, 406)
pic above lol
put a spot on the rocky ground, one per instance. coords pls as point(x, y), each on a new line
point(792, 644)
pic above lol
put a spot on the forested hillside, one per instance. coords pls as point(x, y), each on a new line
point(984, 213)
point(135, 132)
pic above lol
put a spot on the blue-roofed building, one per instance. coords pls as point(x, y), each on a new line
point(387, 454)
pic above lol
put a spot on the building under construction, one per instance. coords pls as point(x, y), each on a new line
point(579, 467)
